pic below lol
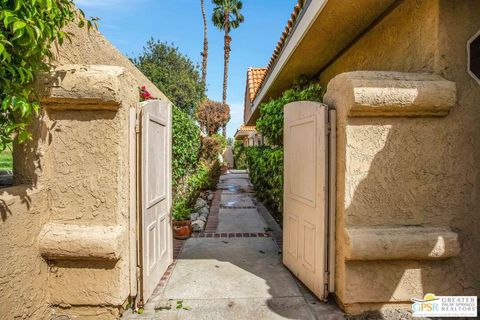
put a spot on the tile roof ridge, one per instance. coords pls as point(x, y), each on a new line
point(281, 43)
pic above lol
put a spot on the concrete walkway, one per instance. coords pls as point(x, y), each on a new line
point(235, 276)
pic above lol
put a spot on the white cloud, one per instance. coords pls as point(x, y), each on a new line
point(103, 4)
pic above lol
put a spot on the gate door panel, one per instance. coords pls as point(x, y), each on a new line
point(306, 193)
point(157, 248)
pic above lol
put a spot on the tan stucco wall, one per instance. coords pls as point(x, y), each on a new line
point(23, 273)
point(73, 181)
point(228, 156)
point(406, 40)
point(66, 236)
point(402, 171)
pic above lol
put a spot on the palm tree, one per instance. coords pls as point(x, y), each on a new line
point(205, 44)
point(227, 16)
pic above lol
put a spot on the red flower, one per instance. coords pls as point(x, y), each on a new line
point(144, 94)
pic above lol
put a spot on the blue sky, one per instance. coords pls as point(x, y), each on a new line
point(129, 24)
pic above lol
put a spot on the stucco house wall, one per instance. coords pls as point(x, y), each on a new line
point(398, 171)
point(64, 228)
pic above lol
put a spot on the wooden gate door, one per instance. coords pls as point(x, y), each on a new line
point(156, 194)
point(306, 202)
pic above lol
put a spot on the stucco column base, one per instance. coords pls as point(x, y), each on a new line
point(377, 310)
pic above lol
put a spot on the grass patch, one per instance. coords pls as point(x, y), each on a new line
point(6, 161)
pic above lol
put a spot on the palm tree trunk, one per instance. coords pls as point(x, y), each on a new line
point(205, 45)
point(227, 40)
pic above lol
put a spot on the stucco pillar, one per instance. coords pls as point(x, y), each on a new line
point(86, 240)
point(396, 185)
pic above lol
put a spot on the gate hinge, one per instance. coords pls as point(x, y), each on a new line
point(329, 128)
point(327, 277)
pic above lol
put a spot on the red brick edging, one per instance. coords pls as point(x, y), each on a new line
point(232, 235)
point(166, 276)
point(177, 247)
point(212, 222)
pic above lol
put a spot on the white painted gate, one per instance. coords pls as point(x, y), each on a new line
point(155, 193)
point(308, 225)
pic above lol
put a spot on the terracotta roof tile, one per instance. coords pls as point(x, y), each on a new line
point(254, 80)
point(244, 131)
point(247, 128)
point(281, 43)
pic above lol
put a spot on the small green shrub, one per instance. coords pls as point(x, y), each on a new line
point(239, 155)
point(213, 176)
point(181, 209)
point(198, 182)
point(265, 166)
point(270, 122)
point(205, 178)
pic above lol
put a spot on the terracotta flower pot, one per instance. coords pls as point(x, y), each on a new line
point(224, 169)
point(182, 229)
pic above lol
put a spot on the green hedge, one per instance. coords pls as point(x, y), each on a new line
point(190, 174)
point(185, 148)
point(206, 178)
point(239, 155)
point(265, 166)
point(270, 122)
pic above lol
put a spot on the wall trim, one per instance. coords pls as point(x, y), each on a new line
point(400, 243)
point(83, 87)
point(78, 242)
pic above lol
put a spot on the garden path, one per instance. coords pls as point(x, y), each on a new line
point(235, 272)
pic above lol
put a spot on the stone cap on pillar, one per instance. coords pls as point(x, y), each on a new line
point(85, 87)
point(391, 94)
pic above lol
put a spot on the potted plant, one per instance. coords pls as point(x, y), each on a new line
point(224, 168)
point(181, 225)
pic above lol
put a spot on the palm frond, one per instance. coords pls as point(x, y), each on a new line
point(230, 7)
point(218, 18)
